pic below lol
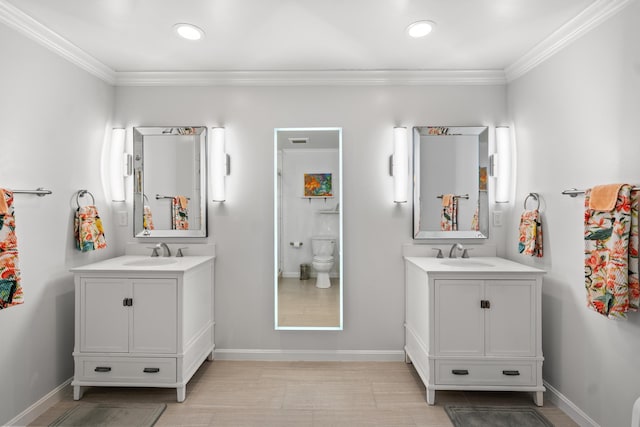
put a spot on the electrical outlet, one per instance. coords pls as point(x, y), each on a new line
point(497, 219)
point(123, 218)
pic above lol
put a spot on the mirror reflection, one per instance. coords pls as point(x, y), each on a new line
point(169, 181)
point(450, 182)
point(308, 229)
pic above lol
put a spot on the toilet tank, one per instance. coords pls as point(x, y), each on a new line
point(323, 245)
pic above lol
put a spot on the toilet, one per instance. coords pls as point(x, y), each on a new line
point(322, 262)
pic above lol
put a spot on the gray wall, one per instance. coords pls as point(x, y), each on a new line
point(576, 122)
point(53, 118)
point(374, 227)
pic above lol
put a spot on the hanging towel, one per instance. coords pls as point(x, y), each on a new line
point(611, 255)
point(530, 241)
point(147, 218)
point(88, 231)
point(475, 222)
point(179, 213)
point(604, 197)
point(449, 217)
point(10, 289)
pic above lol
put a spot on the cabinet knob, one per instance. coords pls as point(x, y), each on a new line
point(511, 373)
point(102, 369)
point(151, 370)
point(460, 372)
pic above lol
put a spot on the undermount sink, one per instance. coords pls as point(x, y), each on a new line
point(150, 262)
point(465, 262)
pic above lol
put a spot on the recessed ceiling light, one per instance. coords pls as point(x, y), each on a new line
point(420, 28)
point(188, 31)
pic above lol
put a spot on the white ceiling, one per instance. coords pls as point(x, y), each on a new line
point(136, 35)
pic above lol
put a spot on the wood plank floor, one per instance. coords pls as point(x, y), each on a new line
point(247, 393)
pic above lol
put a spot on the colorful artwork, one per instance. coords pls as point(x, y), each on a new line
point(483, 178)
point(317, 185)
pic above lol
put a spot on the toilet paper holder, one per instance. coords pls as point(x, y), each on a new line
point(296, 244)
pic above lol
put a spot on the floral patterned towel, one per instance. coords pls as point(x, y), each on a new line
point(475, 223)
point(179, 213)
point(611, 255)
point(88, 231)
point(449, 217)
point(530, 241)
point(147, 218)
point(10, 289)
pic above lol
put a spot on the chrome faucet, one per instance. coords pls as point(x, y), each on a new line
point(166, 252)
point(452, 252)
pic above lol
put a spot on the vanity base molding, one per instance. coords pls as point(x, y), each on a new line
point(473, 329)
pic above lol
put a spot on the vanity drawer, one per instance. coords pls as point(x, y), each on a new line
point(462, 372)
point(138, 370)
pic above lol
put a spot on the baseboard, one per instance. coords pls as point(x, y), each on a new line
point(40, 407)
point(568, 407)
point(310, 355)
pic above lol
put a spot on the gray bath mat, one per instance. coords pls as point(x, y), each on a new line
point(111, 415)
point(495, 416)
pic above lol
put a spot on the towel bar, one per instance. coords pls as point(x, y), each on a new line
point(159, 196)
point(40, 192)
point(461, 196)
point(574, 192)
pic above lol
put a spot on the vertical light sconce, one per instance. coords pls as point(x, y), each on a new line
point(400, 165)
point(502, 164)
point(218, 165)
point(120, 164)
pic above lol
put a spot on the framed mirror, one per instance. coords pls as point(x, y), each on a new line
point(450, 194)
point(169, 182)
point(308, 228)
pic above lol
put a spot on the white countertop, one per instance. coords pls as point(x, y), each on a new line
point(144, 263)
point(471, 265)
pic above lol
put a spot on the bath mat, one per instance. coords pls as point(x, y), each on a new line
point(110, 415)
point(495, 416)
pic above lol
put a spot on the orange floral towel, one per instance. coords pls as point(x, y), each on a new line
point(147, 218)
point(449, 216)
point(611, 255)
point(604, 197)
point(179, 213)
point(10, 289)
point(88, 231)
point(530, 242)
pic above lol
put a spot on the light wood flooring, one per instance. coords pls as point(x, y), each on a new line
point(241, 393)
point(301, 303)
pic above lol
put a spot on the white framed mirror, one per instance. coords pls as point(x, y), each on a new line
point(169, 181)
point(308, 238)
point(451, 191)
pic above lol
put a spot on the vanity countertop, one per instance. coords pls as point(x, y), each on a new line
point(140, 263)
point(471, 265)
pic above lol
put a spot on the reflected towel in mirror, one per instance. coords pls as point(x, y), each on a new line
point(179, 213)
point(449, 216)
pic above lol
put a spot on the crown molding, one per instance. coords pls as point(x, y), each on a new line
point(20, 21)
point(594, 15)
point(312, 78)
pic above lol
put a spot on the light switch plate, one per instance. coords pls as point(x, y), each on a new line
point(123, 218)
point(497, 219)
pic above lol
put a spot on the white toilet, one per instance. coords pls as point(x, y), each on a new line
point(322, 248)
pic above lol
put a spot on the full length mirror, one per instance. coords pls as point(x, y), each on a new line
point(308, 228)
point(169, 189)
point(450, 198)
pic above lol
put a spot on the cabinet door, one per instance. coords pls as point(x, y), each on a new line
point(154, 323)
point(104, 319)
point(510, 320)
point(459, 320)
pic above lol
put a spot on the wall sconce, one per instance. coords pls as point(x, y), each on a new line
point(219, 165)
point(120, 164)
point(399, 165)
point(502, 164)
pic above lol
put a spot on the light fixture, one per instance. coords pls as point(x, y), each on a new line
point(218, 164)
point(420, 29)
point(120, 164)
point(188, 31)
point(502, 164)
point(400, 165)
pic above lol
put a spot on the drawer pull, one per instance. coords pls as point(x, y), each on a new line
point(102, 369)
point(151, 370)
point(460, 372)
point(511, 373)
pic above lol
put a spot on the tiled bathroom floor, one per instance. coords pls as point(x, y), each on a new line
point(241, 393)
point(300, 303)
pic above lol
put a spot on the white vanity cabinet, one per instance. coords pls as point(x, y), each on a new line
point(474, 325)
point(149, 326)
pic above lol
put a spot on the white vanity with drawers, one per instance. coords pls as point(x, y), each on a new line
point(474, 324)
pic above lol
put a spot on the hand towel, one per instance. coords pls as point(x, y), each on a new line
point(179, 213)
point(604, 197)
point(10, 290)
point(147, 218)
point(530, 241)
point(449, 216)
point(88, 230)
point(475, 221)
point(611, 255)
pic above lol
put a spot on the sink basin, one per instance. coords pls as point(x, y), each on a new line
point(465, 262)
point(150, 262)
